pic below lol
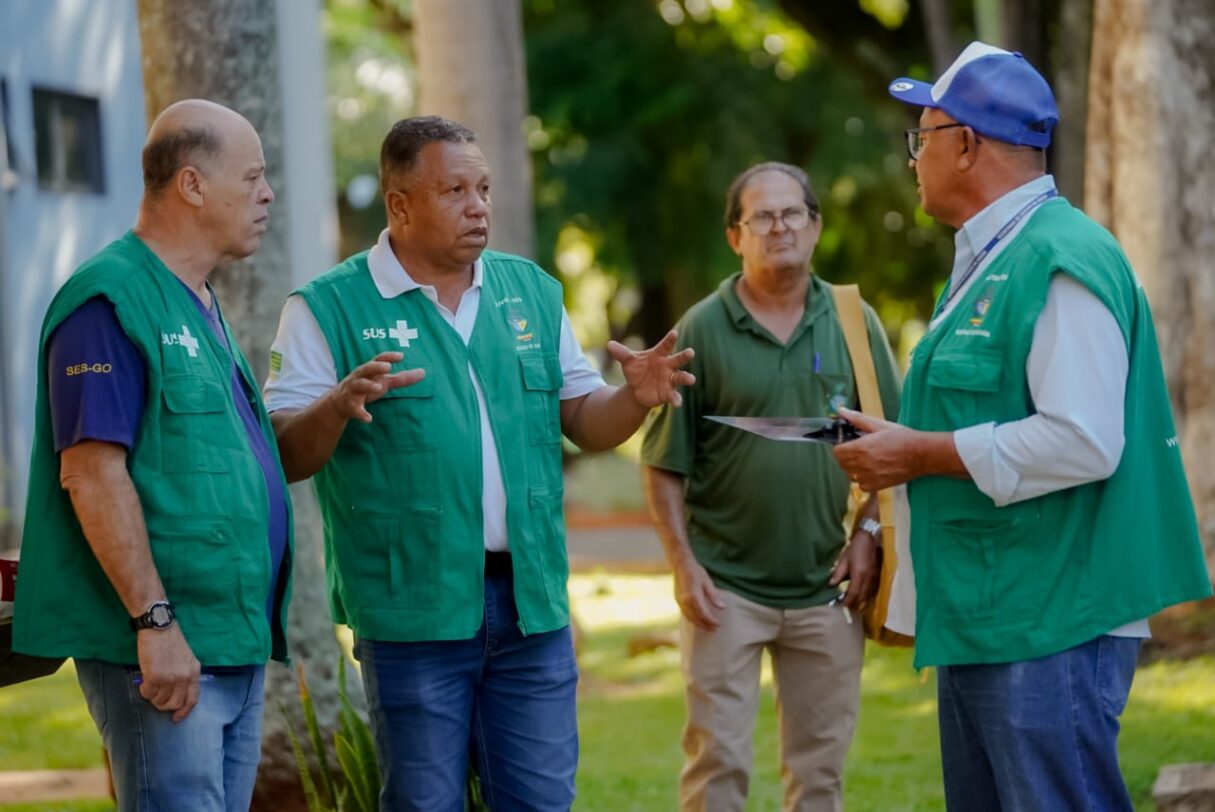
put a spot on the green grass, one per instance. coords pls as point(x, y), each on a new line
point(45, 725)
point(631, 716)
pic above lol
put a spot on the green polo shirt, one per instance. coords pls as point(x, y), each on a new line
point(765, 518)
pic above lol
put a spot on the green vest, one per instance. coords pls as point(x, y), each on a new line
point(401, 496)
point(201, 488)
point(1000, 584)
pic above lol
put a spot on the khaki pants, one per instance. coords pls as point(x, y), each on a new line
point(816, 660)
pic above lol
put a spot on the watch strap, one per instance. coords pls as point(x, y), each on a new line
point(147, 620)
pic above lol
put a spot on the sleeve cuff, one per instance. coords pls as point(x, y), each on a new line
point(976, 447)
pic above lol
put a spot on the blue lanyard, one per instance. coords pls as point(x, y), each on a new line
point(987, 249)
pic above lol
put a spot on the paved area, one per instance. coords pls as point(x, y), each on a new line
point(624, 548)
point(35, 786)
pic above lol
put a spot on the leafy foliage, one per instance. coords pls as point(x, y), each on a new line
point(358, 789)
point(644, 113)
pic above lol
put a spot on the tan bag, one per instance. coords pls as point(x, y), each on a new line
point(852, 320)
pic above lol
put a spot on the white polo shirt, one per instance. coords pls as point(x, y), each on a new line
point(307, 369)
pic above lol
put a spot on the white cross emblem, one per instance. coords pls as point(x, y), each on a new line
point(402, 333)
point(188, 341)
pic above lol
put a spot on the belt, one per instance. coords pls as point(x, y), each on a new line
point(497, 563)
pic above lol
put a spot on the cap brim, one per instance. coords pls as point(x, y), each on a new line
point(910, 91)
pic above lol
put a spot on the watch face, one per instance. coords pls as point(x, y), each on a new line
point(161, 616)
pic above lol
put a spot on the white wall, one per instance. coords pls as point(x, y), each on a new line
point(91, 47)
point(88, 47)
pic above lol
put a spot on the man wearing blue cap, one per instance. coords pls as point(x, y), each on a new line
point(1050, 514)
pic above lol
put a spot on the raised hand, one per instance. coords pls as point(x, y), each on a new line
point(368, 383)
point(655, 375)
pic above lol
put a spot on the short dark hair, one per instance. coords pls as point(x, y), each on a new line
point(164, 157)
point(405, 140)
point(734, 195)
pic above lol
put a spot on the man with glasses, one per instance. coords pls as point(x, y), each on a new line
point(1050, 514)
point(753, 529)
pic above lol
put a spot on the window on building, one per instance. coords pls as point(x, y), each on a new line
point(8, 171)
point(67, 136)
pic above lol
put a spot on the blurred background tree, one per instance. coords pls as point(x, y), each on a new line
point(640, 112)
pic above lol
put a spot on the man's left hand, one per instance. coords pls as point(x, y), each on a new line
point(859, 566)
point(655, 375)
point(888, 454)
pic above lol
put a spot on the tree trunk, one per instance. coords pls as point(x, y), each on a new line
point(938, 26)
point(227, 51)
point(1070, 55)
point(1150, 178)
point(471, 70)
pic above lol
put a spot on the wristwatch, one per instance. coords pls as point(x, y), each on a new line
point(160, 615)
point(871, 526)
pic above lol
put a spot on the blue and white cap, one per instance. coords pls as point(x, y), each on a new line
point(994, 92)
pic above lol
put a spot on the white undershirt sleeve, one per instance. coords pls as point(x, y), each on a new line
point(306, 366)
point(581, 377)
point(1077, 370)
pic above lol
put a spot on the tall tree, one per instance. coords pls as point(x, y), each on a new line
point(228, 51)
point(471, 70)
point(1150, 179)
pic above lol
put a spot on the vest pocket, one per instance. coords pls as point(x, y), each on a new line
point(202, 568)
point(396, 561)
point(964, 378)
point(548, 519)
point(542, 379)
point(194, 421)
point(967, 565)
point(403, 418)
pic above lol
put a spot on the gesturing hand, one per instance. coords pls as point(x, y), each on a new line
point(368, 383)
point(654, 375)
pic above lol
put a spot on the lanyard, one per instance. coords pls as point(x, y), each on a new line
point(987, 249)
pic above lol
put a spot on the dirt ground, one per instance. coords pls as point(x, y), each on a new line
point(1181, 632)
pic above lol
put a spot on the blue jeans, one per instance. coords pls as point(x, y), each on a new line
point(508, 699)
point(1037, 734)
point(207, 762)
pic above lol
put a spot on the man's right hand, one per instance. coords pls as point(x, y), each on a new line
point(696, 595)
point(370, 382)
point(169, 671)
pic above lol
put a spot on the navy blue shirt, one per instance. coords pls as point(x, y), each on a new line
point(98, 383)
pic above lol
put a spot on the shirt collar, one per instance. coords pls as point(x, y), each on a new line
point(816, 300)
point(979, 229)
point(390, 277)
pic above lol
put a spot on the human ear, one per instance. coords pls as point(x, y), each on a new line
point(189, 183)
point(397, 204)
point(733, 238)
point(968, 153)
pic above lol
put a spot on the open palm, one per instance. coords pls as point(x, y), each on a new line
point(655, 375)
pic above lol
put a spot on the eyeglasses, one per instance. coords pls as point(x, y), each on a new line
point(762, 222)
point(915, 144)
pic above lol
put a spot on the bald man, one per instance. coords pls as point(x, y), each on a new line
point(157, 534)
